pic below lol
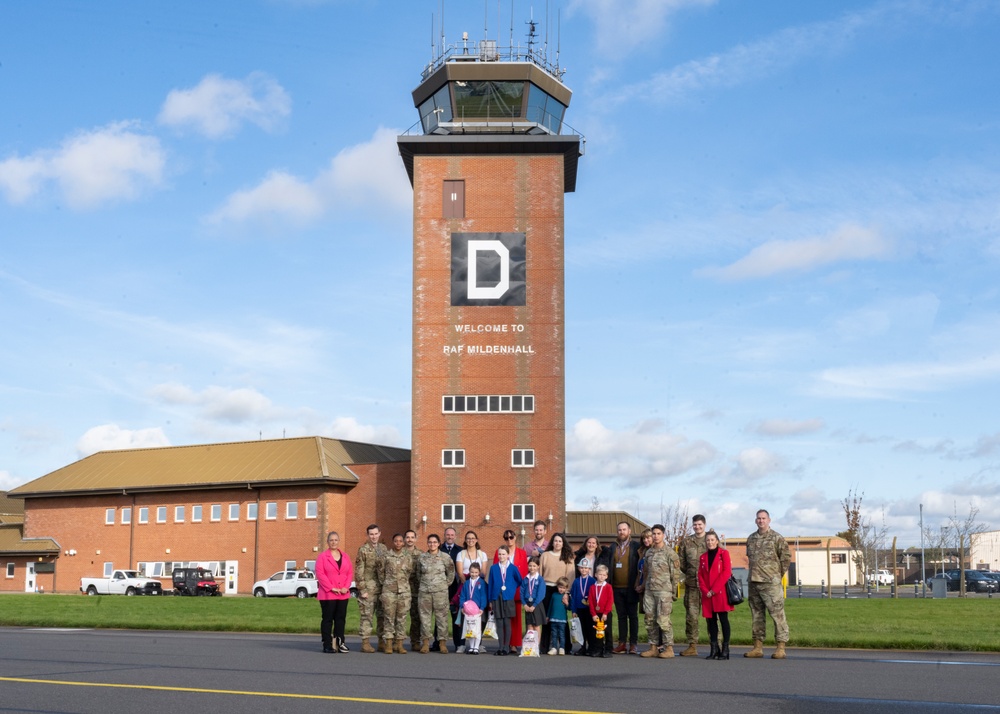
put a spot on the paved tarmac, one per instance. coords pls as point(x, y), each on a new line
point(101, 671)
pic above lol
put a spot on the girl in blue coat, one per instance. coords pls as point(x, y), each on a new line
point(474, 590)
point(533, 598)
point(505, 579)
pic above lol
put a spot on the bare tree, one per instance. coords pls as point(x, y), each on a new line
point(595, 504)
point(675, 520)
point(962, 531)
point(937, 540)
point(865, 537)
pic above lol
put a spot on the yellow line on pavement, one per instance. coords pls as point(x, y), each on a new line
point(327, 697)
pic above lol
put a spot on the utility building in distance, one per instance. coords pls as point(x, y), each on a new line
point(489, 173)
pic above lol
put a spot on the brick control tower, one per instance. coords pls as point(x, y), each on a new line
point(489, 174)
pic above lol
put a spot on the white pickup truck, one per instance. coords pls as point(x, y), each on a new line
point(121, 582)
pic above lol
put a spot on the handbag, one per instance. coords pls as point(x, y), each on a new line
point(734, 591)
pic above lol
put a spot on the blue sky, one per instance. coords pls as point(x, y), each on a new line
point(781, 256)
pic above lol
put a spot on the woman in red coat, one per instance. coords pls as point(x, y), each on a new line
point(714, 570)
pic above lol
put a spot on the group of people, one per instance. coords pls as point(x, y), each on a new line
point(543, 585)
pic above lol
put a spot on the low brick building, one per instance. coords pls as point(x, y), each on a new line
point(244, 509)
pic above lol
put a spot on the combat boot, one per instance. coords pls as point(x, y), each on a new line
point(425, 647)
point(366, 646)
point(442, 647)
point(691, 651)
point(387, 646)
point(667, 653)
point(653, 651)
point(399, 646)
point(779, 651)
point(758, 650)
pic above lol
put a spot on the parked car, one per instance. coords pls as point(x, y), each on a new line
point(992, 576)
point(975, 581)
point(194, 581)
point(121, 582)
point(880, 577)
point(300, 583)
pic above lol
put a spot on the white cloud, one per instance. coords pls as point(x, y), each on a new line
point(787, 427)
point(217, 107)
point(89, 168)
point(849, 242)
point(278, 195)
point(367, 174)
point(8, 482)
point(349, 429)
point(893, 380)
point(620, 26)
point(633, 457)
point(219, 403)
point(111, 437)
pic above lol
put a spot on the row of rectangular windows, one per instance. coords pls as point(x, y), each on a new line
point(519, 512)
point(215, 511)
point(519, 458)
point(488, 403)
point(166, 569)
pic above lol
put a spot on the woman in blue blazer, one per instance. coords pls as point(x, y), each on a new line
point(505, 579)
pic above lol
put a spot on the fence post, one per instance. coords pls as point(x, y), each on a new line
point(845, 589)
point(822, 588)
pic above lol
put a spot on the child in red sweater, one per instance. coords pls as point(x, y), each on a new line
point(602, 602)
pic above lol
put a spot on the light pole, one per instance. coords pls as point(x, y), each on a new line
point(923, 567)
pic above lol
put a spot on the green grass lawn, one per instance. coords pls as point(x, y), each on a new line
point(954, 624)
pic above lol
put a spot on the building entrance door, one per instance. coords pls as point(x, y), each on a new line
point(29, 580)
point(232, 577)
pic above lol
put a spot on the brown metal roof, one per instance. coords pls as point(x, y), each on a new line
point(279, 461)
point(603, 524)
point(10, 507)
point(12, 543)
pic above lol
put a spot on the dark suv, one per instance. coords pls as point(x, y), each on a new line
point(975, 581)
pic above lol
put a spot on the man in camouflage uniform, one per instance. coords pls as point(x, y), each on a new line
point(660, 577)
point(410, 546)
point(769, 557)
point(435, 572)
point(689, 551)
point(396, 568)
point(366, 578)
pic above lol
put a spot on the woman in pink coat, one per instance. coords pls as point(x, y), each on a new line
point(335, 572)
point(714, 571)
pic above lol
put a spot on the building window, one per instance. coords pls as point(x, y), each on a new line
point(453, 199)
point(251, 511)
point(161, 514)
point(289, 565)
point(310, 565)
point(144, 515)
point(196, 514)
point(311, 509)
point(488, 403)
point(453, 458)
point(838, 558)
point(292, 509)
point(126, 516)
point(522, 512)
point(109, 516)
point(234, 511)
point(522, 458)
point(178, 514)
point(109, 568)
point(453, 512)
point(216, 512)
point(270, 510)
point(10, 570)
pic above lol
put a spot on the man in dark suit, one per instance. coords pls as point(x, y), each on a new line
point(452, 548)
